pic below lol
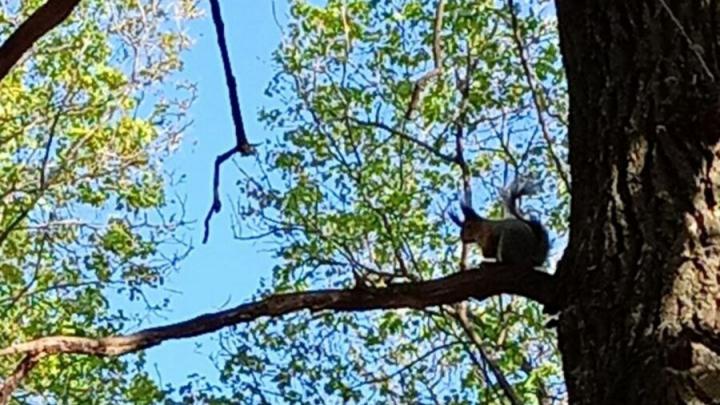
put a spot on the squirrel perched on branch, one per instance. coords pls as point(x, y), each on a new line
point(513, 240)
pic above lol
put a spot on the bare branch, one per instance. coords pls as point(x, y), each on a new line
point(437, 60)
point(45, 18)
point(11, 383)
point(42, 186)
point(510, 393)
point(417, 360)
point(242, 144)
point(216, 203)
point(479, 284)
point(400, 134)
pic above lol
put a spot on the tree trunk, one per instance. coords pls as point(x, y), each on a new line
point(641, 323)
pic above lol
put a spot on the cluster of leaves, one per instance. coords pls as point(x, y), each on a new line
point(357, 187)
point(85, 219)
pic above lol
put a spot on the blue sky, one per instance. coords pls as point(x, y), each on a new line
point(224, 271)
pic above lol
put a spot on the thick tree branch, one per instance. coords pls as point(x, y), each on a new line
point(45, 18)
point(479, 284)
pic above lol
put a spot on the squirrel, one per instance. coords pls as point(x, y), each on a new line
point(513, 240)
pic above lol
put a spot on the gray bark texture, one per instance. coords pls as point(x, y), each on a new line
point(640, 322)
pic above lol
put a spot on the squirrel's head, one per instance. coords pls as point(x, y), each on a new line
point(473, 229)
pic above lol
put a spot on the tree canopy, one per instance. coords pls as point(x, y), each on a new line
point(384, 115)
point(85, 218)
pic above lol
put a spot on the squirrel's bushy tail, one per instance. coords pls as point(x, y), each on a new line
point(516, 189)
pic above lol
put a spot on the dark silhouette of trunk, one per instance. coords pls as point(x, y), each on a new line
point(641, 322)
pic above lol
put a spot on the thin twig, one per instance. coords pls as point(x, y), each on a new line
point(33, 279)
point(477, 341)
point(437, 61)
point(517, 38)
point(400, 134)
point(388, 377)
point(42, 186)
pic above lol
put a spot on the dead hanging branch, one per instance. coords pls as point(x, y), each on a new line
point(491, 280)
point(242, 145)
point(44, 19)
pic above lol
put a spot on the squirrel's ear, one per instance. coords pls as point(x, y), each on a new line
point(455, 219)
point(470, 214)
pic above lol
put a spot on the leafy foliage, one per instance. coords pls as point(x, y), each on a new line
point(355, 190)
point(85, 220)
point(357, 187)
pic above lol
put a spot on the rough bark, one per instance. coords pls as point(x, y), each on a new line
point(641, 322)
